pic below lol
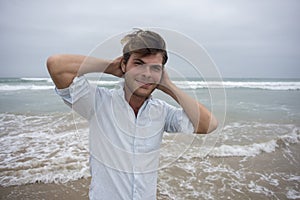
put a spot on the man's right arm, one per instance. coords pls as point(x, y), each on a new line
point(64, 68)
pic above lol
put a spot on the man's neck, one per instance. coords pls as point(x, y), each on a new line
point(134, 101)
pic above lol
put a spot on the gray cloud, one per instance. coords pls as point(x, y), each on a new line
point(245, 38)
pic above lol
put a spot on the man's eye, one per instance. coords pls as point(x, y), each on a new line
point(156, 68)
point(138, 63)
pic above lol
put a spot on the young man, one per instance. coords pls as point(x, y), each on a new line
point(126, 124)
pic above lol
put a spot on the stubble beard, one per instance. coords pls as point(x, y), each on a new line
point(139, 91)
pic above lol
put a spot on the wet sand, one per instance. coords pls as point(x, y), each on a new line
point(69, 191)
point(74, 190)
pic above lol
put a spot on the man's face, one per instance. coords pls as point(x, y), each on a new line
point(142, 74)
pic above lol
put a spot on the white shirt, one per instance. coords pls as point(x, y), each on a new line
point(124, 148)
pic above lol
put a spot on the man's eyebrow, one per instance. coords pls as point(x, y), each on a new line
point(140, 60)
point(143, 62)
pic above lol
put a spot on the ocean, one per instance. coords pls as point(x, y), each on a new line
point(254, 154)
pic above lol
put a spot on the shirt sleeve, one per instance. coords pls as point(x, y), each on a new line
point(177, 120)
point(79, 96)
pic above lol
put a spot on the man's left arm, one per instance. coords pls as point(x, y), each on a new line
point(201, 118)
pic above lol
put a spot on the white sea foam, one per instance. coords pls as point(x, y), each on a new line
point(49, 80)
point(263, 85)
point(253, 187)
point(256, 148)
point(42, 148)
point(35, 84)
point(225, 84)
point(25, 87)
point(104, 83)
point(293, 194)
point(238, 84)
point(294, 178)
point(243, 150)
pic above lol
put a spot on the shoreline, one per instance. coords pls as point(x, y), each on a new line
point(72, 190)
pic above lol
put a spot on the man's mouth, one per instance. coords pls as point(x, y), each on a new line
point(144, 84)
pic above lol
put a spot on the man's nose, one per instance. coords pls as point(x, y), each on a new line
point(147, 70)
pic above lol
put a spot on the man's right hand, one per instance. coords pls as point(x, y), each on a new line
point(114, 68)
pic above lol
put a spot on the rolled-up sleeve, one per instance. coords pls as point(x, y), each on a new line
point(178, 121)
point(79, 96)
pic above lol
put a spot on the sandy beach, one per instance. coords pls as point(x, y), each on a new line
point(74, 190)
point(69, 191)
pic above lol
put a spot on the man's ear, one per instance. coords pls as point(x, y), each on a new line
point(123, 66)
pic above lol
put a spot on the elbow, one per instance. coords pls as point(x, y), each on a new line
point(213, 125)
point(52, 64)
point(210, 127)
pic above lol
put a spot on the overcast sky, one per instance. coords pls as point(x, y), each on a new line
point(253, 38)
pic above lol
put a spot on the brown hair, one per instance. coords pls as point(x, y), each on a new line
point(145, 43)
